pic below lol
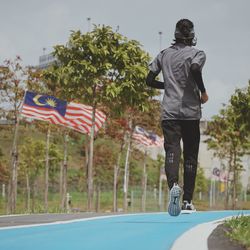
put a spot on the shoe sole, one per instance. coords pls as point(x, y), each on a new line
point(187, 211)
point(174, 208)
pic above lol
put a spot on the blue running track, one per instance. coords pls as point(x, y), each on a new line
point(152, 231)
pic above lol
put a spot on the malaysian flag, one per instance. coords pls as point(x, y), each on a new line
point(146, 138)
point(72, 115)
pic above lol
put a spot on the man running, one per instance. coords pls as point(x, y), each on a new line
point(181, 65)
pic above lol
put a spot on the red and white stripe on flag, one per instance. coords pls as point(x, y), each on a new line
point(146, 138)
point(142, 139)
point(159, 142)
point(78, 116)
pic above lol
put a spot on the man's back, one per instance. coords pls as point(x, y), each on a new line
point(181, 96)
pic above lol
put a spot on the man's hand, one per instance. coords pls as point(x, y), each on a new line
point(204, 97)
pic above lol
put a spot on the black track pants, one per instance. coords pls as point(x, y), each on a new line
point(189, 132)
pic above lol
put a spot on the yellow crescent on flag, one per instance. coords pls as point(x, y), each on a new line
point(36, 100)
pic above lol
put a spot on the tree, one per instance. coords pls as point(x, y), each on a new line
point(139, 113)
point(32, 162)
point(240, 103)
point(201, 182)
point(104, 160)
point(229, 136)
point(4, 172)
point(116, 128)
point(12, 91)
point(56, 157)
point(101, 67)
point(35, 82)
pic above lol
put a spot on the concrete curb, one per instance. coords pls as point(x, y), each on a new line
point(197, 237)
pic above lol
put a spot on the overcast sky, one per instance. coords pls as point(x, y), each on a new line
point(222, 28)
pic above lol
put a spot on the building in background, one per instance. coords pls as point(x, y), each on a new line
point(46, 60)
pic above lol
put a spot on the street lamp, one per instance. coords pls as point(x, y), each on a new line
point(160, 41)
point(160, 38)
point(89, 23)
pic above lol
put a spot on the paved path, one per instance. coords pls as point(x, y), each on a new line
point(152, 231)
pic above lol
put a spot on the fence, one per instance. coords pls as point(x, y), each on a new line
point(155, 201)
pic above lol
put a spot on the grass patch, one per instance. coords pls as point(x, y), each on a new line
point(239, 229)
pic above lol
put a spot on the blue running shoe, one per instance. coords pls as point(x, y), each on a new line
point(174, 208)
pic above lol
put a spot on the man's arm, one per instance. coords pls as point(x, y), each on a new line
point(196, 73)
point(150, 81)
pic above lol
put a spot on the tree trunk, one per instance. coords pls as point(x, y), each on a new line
point(86, 157)
point(12, 191)
point(90, 170)
point(116, 169)
point(144, 184)
point(64, 172)
point(47, 171)
point(227, 193)
point(125, 182)
point(28, 193)
point(33, 192)
point(228, 181)
point(126, 169)
point(91, 155)
point(98, 198)
point(116, 174)
point(234, 191)
point(160, 193)
point(61, 180)
point(234, 181)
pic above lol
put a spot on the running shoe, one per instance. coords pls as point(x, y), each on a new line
point(187, 207)
point(174, 208)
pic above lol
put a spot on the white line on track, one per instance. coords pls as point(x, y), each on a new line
point(75, 220)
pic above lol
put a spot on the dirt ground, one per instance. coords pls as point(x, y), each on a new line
point(219, 241)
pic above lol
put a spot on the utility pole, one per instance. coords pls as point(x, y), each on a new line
point(89, 23)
